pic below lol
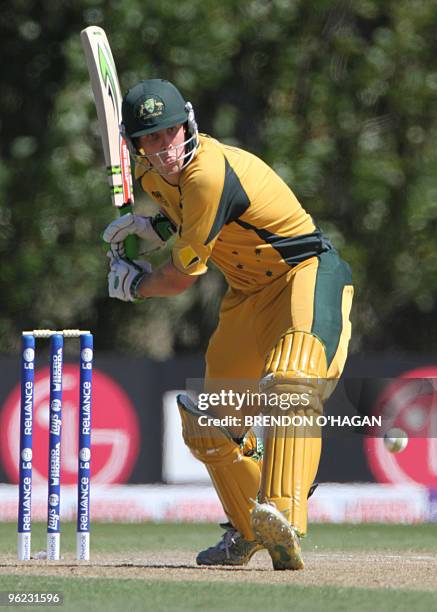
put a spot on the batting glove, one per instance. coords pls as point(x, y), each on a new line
point(125, 276)
point(154, 231)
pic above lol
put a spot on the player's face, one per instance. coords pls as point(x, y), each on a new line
point(164, 149)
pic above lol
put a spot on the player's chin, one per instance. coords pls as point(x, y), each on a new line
point(172, 165)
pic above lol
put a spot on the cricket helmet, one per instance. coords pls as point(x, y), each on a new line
point(155, 104)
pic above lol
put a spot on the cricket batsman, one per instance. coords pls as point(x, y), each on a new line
point(284, 320)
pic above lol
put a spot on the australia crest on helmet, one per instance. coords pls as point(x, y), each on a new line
point(152, 106)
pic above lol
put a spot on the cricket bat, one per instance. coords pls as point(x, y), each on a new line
point(107, 97)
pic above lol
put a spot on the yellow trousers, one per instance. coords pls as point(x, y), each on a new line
point(313, 297)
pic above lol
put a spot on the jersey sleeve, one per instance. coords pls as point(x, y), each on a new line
point(201, 195)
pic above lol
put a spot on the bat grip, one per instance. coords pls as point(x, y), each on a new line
point(131, 242)
point(131, 247)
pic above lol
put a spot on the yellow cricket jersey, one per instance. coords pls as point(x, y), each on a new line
point(232, 208)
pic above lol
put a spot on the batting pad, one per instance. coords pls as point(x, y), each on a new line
point(235, 476)
point(297, 364)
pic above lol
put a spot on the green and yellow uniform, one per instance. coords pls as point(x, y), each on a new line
point(234, 209)
point(284, 278)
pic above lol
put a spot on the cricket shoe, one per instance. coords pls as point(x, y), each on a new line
point(232, 549)
point(274, 532)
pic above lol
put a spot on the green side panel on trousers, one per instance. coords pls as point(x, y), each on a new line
point(332, 275)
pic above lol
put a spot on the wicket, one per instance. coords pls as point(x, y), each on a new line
point(55, 422)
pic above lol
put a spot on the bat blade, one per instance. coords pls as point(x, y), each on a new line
point(107, 97)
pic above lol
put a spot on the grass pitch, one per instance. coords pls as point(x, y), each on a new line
point(152, 567)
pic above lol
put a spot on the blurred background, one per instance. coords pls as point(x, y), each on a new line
point(339, 97)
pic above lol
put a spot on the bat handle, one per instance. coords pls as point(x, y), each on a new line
point(131, 242)
point(131, 247)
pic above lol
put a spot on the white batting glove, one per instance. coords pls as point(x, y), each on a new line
point(125, 276)
point(117, 231)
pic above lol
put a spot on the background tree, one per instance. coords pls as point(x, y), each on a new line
point(340, 98)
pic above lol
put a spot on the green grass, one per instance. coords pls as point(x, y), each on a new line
point(145, 537)
point(110, 594)
point(416, 538)
point(125, 595)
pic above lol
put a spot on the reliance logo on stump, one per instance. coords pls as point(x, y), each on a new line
point(115, 429)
